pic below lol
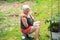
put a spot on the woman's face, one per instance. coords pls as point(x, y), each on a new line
point(27, 11)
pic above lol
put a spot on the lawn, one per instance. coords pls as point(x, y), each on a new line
point(10, 18)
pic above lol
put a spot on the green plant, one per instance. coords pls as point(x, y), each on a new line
point(2, 14)
point(21, 1)
point(54, 24)
point(2, 20)
point(10, 1)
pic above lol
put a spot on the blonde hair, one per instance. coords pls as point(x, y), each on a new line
point(24, 7)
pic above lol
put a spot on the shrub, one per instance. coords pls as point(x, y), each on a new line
point(21, 1)
point(10, 1)
point(55, 25)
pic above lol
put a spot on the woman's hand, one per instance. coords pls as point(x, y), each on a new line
point(35, 13)
point(37, 23)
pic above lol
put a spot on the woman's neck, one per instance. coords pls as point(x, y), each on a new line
point(27, 15)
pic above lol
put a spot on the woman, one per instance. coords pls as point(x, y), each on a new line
point(27, 22)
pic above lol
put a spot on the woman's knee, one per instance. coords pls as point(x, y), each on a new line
point(36, 27)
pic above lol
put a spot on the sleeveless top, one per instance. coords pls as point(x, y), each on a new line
point(29, 22)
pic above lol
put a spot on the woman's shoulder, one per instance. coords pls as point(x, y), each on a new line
point(23, 15)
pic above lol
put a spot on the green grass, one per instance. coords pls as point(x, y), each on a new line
point(15, 34)
point(10, 1)
point(43, 12)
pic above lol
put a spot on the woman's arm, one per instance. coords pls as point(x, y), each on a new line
point(35, 13)
point(34, 18)
point(24, 21)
